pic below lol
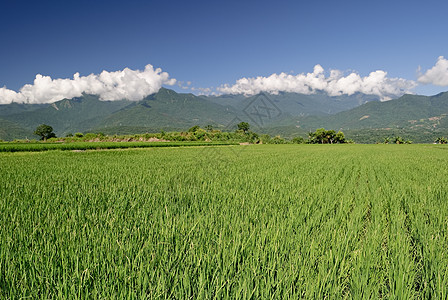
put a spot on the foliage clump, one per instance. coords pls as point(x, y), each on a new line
point(244, 126)
point(322, 136)
point(441, 140)
point(241, 133)
point(396, 140)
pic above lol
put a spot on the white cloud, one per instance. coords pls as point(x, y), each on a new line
point(202, 91)
point(437, 75)
point(377, 83)
point(125, 84)
point(8, 96)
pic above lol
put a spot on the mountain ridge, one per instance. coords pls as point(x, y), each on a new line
point(408, 111)
point(168, 110)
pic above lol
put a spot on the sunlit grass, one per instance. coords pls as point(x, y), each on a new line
point(34, 147)
point(269, 221)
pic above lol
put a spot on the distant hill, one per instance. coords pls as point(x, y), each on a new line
point(165, 110)
point(294, 104)
point(168, 110)
point(360, 116)
point(10, 131)
point(418, 118)
point(408, 111)
point(68, 115)
point(16, 108)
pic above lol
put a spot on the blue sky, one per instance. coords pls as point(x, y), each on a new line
point(212, 43)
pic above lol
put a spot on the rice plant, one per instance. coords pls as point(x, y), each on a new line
point(27, 147)
point(274, 221)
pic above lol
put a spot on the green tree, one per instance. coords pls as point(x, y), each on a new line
point(244, 126)
point(330, 136)
point(340, 138)
point(322, 136)
point(45, 132)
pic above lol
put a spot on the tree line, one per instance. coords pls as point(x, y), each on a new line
point(241, 133)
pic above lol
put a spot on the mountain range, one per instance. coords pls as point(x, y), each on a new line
point(287, 114)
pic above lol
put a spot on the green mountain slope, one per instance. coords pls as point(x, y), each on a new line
point(294, 104)
point(16, 108)
point(167, 110)
point(408, 111)
point(417, 118)
point(291, 115)
point(69, 115)
point(10, 131)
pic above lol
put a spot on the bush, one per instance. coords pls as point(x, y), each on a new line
point(397, 140)
point(265, 138)
point(298, 140)
point(441, 140)
point(194, 128)
point(199, 133)
point(90, 136)
point(278, 140)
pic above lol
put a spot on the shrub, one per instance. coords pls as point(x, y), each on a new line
point(441, 140)
point(298, 140)
point(194, 128)
point(90, 136)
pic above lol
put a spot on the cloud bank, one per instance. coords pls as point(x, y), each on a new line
point(377, 83)
point(437, 75)
point(125, 84)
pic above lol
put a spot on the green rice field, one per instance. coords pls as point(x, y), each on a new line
point(45, 146)
point(232, 222)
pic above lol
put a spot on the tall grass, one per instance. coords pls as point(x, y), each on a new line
point(274, 221)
